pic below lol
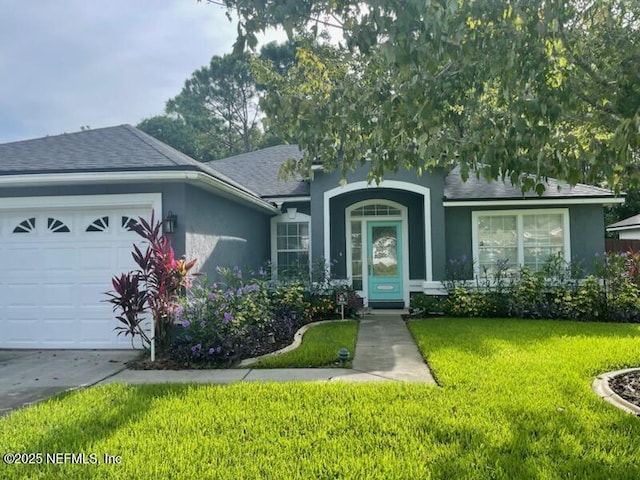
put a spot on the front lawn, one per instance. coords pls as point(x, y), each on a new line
point(514, 402)
point(319, 348)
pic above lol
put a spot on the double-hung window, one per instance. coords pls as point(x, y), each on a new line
point(517, 238)
point(290, 245)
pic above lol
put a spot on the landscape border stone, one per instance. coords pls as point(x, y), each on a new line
point(297, 341)
point(601, 387)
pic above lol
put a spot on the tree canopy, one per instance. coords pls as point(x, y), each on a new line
point(504, 89)
point(217, 113)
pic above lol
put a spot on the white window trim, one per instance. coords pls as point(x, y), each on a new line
point(519, 214)
point(286, 218)
point(402, 218)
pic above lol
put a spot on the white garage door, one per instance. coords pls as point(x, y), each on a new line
point(58, 262)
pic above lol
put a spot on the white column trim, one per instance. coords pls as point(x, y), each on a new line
point(391, 184)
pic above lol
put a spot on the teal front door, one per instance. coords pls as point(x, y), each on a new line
point(384, 261)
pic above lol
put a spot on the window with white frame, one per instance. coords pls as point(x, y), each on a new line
point(290, 245)
point(519, 238)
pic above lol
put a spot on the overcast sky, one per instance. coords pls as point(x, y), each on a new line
point(70, 63)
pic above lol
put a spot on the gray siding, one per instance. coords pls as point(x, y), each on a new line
point(435, 182)
point(586, 223)
point(303, 207)
point(221, 232)
point(587, 232)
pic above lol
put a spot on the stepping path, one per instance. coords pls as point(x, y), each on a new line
point(385, 351)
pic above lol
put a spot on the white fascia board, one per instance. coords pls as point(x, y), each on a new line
point(80, 178)
point(539, 202)
point(627, 227)
point(221, 187)
point(288, 199)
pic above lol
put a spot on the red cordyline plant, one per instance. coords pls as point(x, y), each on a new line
point(154, 287)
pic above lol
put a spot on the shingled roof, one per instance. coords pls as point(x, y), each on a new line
point(480, 189)
point(258, 170)
point(125, 148)
point(113, 149)
point(631, 222)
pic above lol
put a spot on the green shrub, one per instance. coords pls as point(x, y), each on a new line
point(464, 302)
point(612, 293)
point(588, 302)
point(419, 302)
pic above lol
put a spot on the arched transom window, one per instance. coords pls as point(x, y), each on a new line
point(375, 210)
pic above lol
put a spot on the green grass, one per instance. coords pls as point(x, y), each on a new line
point(319, 348)
point(514, 403)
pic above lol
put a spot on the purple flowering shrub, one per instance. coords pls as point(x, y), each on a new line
point(239, 318)
point(235, 319)
point(219, 323)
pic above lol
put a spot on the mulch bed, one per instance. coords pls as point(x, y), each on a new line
point(165, 362)
point(627, 386)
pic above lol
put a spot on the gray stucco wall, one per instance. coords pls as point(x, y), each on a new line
point(173, 198)
point(327, 181)
point(303, 207)
point(586, 223)
point(221, 232)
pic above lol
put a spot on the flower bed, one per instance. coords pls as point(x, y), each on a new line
point(221, 324)
point(559, 290)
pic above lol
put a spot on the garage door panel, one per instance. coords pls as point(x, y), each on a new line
point(57, 330)
point(97, 333)
point(124, 260)
point(58, 294)
point(60, 259)
point(93, 295)
point(21, 328)
point(53, 291)
point(22, 295)
point(20, 258)
point(96, 258)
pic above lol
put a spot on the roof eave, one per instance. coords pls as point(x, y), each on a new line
point(191, 176)
point(626, 227)
point(478, 202)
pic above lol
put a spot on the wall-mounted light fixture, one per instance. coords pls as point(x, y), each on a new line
point(170, 222)
point(291, 213)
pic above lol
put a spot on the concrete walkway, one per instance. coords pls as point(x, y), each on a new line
point(385, 351)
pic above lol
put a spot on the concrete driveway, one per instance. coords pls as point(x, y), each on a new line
point(30, 376)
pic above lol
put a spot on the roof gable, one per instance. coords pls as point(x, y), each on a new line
point(113, 154)
point(630, 222)
point(258, 171)
point(113, 148)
